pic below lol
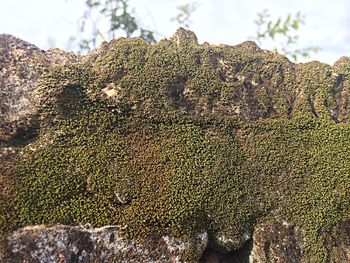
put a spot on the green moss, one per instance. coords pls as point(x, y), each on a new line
point(305, 173)
point(172, 154)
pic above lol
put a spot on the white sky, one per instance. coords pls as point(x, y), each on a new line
point(48, 23)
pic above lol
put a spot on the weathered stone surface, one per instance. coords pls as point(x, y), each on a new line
point(106, 244)
point(337, 242)
point(20, 70)
point(205, 153)
point(277, 242)
point(22, 64)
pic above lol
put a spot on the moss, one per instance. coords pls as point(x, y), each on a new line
point(304, 173)
point(198, 137)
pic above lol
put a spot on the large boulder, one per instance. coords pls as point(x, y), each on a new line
point(172, 152)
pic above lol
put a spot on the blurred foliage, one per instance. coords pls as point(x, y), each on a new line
point(183, 18)
point(114, 15)
point(108, 19)
point(284, 33)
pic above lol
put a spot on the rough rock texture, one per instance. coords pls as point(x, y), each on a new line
point(172, 152)
point(22, 64)
point(277, 242)
point(106, 244)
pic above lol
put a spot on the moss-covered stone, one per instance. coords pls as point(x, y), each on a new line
point(178, 138)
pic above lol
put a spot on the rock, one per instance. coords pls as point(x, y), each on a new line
point(183, 36)
point(277, 242)
point(337, 242)
point(106, 244)
point(172, 152)
point(59, 57)
point(22, 64)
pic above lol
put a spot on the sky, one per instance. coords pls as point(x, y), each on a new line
point(50, 23)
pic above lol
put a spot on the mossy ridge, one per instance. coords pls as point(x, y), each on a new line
point(243, 82)
point(96, 152)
